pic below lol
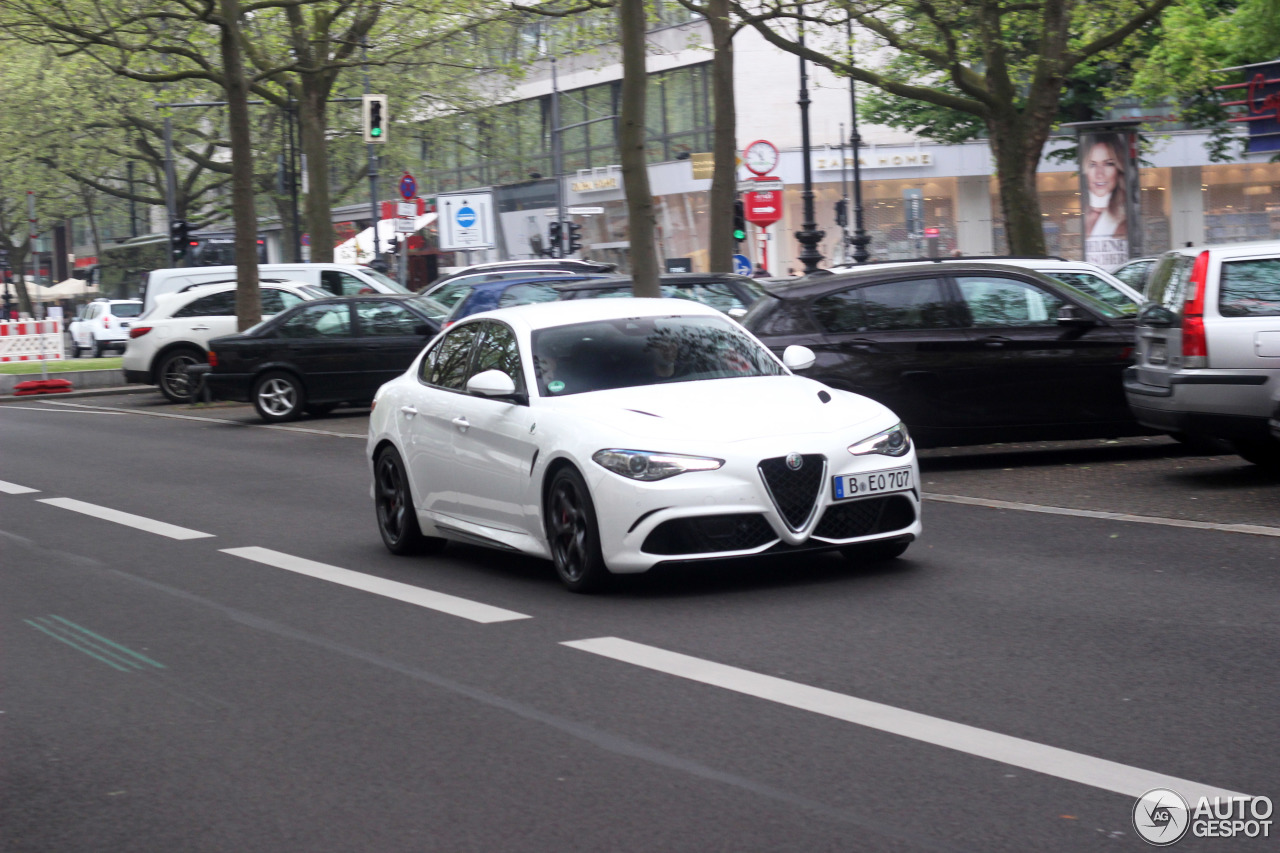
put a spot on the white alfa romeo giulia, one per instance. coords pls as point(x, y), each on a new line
point(612, 435)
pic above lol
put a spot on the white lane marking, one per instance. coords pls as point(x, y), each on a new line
point(1255, 529)
point(44, 409)
point(1049, 760)
point(15, 489)
point(444, 603)
point(140, 522)
point(179, 417)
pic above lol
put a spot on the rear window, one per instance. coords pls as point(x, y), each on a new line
point(1250, 288)
point(1168, 283)
point(126, 309)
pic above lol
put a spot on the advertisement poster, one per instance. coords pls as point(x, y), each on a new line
point(1109, 196)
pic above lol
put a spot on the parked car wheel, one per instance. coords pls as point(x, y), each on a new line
point(279, 397)
point(876, 552)
point(573, 533)
point(1265, 454)
point(393, 501)
point(171, 375)
point(98, 348)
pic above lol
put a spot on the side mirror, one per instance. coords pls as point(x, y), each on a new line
point(491, 383)
point(1071, 315)
point(1154, 314)
point(796, 357)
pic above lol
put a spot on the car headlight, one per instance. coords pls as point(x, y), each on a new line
point(891, 442)
point(649, 465)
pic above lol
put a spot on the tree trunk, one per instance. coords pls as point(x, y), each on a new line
point(631, 146)
point(1017, 157)
point(724, 189)
point(248, 296)
point(312, 122)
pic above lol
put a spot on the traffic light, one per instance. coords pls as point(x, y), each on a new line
point(374, 113)
point(575, 237)
point(842, 212)
point(179, 237)
point(739, 221)
point(554, 238)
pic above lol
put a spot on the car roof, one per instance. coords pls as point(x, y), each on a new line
point(504, 283)
point(601, 282)
point(1231, 248)
point(888, 272)
point(550, 264)
point(544, 315)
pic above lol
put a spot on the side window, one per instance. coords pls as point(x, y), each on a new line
point(1135, 275)
point(331, 280)
point(915, 304)
point(840, 312)
point(1168, 281)
point(274, 301)
point(1099, 288)
point(996, 301)
point(524, 294)
point(318, 321)
point(498, 351)
point(1250, 288)
point(451, 294)
point(385, 319)
point(213, 305)
point(352, 286)
point(446, 365)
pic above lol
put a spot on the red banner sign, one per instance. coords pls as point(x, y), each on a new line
point(763, 208)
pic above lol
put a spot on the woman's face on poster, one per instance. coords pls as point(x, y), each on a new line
point(1101, 169)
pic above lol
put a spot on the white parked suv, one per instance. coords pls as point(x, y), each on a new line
point(1208, 347)
point(175, 334)
point(104, 324)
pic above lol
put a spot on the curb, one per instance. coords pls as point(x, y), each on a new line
point(7, 397)
point(81, 380)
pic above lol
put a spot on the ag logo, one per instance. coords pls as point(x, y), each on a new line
point(1161, 816)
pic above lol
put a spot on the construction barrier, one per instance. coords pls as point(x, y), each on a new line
point(31, 340)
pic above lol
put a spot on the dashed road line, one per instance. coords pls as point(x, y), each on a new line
point(439, 601)
point(1049, 760)
point(1254, 529)
point(15, 489)
point(128, 519)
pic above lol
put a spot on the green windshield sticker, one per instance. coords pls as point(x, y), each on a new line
point(555, 387)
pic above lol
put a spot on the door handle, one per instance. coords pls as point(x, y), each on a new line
point(408, 411)
point(859, 344)
point(462, 423)
point(994, 341)
point(199, 328)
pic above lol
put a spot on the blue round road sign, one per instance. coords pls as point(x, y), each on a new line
point(408, 187)
point(466, 217)
point(742, 265)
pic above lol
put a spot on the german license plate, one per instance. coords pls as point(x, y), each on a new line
point(873, 483)
point(1158, 354)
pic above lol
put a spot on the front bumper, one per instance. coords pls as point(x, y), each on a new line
point(730, 513)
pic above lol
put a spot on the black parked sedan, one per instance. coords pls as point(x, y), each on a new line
point(320, 354)
point(727, 292)
point(964, 353)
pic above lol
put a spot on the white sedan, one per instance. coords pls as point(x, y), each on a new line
point(610, 436)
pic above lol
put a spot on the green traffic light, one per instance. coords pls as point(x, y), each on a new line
point(739, 234)
point(377, 131)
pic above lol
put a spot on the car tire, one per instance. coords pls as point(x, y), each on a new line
point(393, 504)
point(97, 348)
point(279, 396)
point(573, 535)
point(1263, 453)
point(876, 552)
point(171, 373)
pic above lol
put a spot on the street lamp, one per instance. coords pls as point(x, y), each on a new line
point(809, 235)
point(860, 238)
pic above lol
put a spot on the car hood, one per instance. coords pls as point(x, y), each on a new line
point(725, 410)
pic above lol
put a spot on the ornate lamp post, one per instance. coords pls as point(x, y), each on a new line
point(809, 235)
point(860, 238)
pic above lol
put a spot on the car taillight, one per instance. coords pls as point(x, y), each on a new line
point(139, 331)
point(106, 321)
point(213, 358)
point(1195, 347)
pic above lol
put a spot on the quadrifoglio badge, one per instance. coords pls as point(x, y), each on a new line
point(1162, 816)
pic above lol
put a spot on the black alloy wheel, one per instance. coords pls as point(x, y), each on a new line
point(171, 376)
point(876, 552)
point(573, 534)
point(279, 397)
point(392, 498)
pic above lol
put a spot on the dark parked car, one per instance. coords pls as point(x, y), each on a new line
point(486, 296)
point(447, 290)
point(965, 353)
point(320, 354)
point(732, 294)
point(1136, 272)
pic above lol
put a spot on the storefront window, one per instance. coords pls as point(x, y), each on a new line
point(1240, 204)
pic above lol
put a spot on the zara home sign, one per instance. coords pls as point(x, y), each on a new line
point(871, 158)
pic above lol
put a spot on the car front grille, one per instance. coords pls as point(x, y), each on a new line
point(865, 517)
point(794, 492)
point(709, 534)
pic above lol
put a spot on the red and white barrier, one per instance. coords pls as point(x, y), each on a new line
point(31, 340)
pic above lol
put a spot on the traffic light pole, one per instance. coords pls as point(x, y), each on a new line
point(170, 186)
point(373, 162)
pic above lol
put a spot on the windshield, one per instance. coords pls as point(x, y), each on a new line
point(1099, 288)
point(384, 279)
point(430, 307)
point(645, 351)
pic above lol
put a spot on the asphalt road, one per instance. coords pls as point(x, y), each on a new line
point(206, 647)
